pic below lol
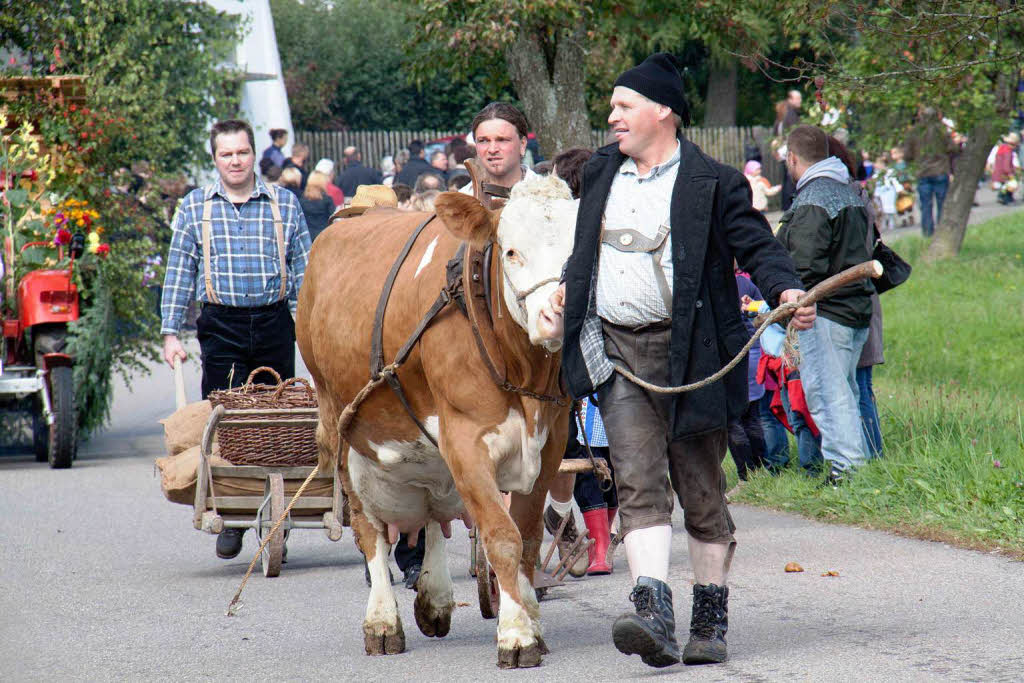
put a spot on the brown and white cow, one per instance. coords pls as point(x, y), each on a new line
point(490, 440)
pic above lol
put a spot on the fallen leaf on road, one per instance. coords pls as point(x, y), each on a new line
point(831, 572)
point(794, 567)
point(462, 604)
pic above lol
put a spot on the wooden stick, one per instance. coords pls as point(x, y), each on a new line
point(179, 384)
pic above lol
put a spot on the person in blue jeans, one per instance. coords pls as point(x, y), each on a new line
point(927, 188)
point(930, 145)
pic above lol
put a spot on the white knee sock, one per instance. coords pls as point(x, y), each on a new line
point(562, 508)
point(647, 551)
point(710, 561)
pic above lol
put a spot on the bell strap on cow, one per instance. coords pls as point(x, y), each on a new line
point(821, 290)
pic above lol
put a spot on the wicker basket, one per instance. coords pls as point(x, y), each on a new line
point(282, 446)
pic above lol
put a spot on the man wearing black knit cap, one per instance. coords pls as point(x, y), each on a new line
point(650, 287)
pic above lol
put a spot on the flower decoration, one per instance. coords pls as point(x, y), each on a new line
point(103, 249)
point(63, 236)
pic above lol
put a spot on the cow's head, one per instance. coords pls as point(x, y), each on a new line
point(533, 233)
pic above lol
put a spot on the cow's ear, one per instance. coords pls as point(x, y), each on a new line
point(466, 218)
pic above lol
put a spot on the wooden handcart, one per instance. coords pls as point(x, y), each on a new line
point(216, 510)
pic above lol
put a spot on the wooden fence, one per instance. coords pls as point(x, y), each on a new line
point(724, 144)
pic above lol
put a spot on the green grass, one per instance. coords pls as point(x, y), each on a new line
point(951, 402)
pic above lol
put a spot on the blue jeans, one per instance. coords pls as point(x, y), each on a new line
point(869, 413)
point(776, 442)
point(927, 187)
point(828, 369)
point(808, 446)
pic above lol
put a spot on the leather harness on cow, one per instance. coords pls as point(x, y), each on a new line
point(468, 284)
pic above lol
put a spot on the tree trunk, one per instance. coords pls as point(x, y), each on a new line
point(951, 230)
point(553, 98)
point(956, 210)
point(720, 103)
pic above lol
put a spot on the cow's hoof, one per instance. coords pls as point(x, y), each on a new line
point(384, 639)
point(522, 657)
point(433, 623)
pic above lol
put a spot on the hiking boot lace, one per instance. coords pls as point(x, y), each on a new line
point(643, 598)
point(706, 616)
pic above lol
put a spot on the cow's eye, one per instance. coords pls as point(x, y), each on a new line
point(511, 254)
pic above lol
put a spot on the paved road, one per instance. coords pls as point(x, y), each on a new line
point(102, 579)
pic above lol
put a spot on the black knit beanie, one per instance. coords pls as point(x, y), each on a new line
point(657, 79)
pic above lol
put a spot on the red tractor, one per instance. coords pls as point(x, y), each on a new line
point(34, 364)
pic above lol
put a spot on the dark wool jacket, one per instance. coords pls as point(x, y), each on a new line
point(825, 232)
point(712, 223)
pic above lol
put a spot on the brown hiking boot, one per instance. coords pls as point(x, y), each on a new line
point(552, 520)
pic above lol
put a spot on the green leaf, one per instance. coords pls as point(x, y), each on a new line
point(925, 486)
point(1009, 512)
point(17, 197)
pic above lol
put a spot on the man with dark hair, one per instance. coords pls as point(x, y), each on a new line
point(499, 134)
point(459, 155)
point(416, 166)
point(275, 153)
point(219, 256)
point(826, 232)
point(355, 174)
point(654, 199)
point(300, 154)
point(569, 167)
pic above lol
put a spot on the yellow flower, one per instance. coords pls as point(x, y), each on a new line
point(80, 223)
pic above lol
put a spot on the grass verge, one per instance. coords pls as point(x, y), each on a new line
point(951, 402)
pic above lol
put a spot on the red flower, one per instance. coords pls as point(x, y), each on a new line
point(73, 107)
point(88, 220)
point(103, 249)
point(63, 237)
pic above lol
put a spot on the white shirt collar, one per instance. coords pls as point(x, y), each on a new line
point(629, 165)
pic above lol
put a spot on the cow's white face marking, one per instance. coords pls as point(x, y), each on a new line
point(428, 255)
point(516, 452)
point(535, 238)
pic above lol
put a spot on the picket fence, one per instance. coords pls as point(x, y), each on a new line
point(724, 144)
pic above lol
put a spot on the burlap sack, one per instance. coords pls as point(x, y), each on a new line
point(178, 479)
point(184, 429)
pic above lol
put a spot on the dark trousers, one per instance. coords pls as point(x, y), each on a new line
point(407, 557)
point(649, 466)
point(234, 341)
point(587, 490)
point(928, 187)
point(746, 440)
point(776, 438)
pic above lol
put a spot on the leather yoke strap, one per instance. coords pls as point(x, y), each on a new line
point(207, 235)
point(496, 190)
point(377, 341)
point(473, 277)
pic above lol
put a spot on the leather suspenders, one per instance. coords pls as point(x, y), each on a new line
point(207, 223)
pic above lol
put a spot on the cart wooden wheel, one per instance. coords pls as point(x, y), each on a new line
point(486, 582)
point(273, 553)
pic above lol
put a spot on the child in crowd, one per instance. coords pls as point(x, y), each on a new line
point(745, 437)
point(887, 190)
point(599, 507)
point(759, 185)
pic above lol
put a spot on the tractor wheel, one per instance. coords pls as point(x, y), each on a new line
point(64, 430)
point(52, 338)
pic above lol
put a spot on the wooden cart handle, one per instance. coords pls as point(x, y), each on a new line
point(179, 384)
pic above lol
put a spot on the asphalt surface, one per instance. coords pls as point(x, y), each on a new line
point(103, 579)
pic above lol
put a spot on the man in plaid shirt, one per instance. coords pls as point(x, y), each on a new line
point(239, 247)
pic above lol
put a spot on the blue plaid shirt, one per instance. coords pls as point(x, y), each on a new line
point(243, 258)
point(593, 423)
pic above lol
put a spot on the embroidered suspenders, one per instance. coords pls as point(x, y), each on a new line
point(629, 240)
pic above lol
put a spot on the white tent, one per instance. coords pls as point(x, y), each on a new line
point(264, 99)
